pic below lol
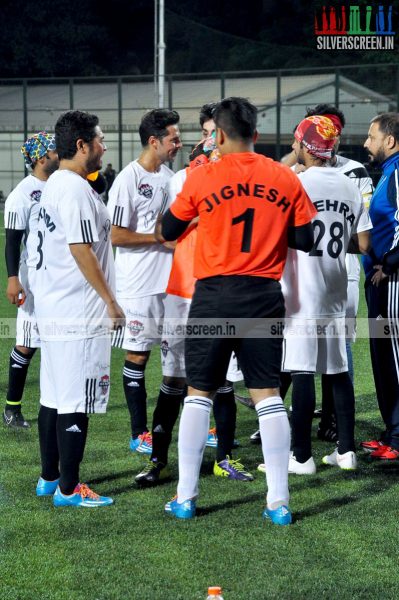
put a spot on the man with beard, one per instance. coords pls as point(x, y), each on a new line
point(142, 263)
point(74, 295)
point(21, 213)
point(381, 286)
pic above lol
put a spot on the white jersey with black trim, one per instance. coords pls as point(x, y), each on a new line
point(315, 284)
point(135, 200)
point(21, 212)
point(358, 174)
point(71, 212)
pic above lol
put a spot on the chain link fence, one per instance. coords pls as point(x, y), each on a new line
point(30, 105)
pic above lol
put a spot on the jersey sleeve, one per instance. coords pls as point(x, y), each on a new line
point(121, 199)
point(185, 207)
point(363, 222)
point(303, 210)
point(78, 217)
point(16, 212)
point(175, 185)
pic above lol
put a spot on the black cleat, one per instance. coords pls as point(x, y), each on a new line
point(255, 437)
point(14, 419)
point(328, 433)
point(245, 400)
point(155, 472)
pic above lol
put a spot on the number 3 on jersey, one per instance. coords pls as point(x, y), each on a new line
point(39, 250)
point(247, 217)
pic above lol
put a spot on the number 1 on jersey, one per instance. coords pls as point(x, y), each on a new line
point(247, 217)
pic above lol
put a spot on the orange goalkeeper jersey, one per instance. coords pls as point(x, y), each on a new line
point(245, 203)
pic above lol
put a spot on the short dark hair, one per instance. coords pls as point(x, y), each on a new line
point(207, 112)
point(237, 117)
point(326, 109)
point(156, 123)
point(72, 126)
point(388, 124)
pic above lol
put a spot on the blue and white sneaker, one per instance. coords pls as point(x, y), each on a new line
point(212, 440)
point(280, 516)
point(185, 510)
point(142, 443)
point(82, 496)
point(46, 488)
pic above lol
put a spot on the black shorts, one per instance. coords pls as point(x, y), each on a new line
point(227, 298)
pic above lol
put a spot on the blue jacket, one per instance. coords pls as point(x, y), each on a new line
point(384, 214)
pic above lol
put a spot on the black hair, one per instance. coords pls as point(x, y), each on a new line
point(237, 117)
point(155, 123)
point(207, 112)
point(326, 109)
point(388, 124)
point(72, 126)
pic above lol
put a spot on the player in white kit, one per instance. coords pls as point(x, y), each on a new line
point(75, 307)
point(315, 292)
point(142, 263)
point(357, 173)
point(21, 213)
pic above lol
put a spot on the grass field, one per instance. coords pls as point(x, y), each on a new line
point(132, 551)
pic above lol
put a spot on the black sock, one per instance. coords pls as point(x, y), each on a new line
point(344, 401)
point(286, 381)
point(47, 424)
point(224, 411)
point(164, 419)
point(136, 396)
point(18, 370)
point(327, 403)
point(303, 405)
point(71, 436)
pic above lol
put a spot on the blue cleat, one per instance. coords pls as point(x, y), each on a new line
point(141, 444)
point(82, 496)
point(212, 439)
point(185, 510)
point(46, 488)
point(280, 516)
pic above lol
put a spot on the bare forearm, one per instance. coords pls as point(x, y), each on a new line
point(125, 238)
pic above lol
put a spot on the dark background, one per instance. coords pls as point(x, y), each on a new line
point(44, 38)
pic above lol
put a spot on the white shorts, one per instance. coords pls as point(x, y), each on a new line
point(172, 346)
point(306, 350)
point(143, 328)
point(27, 329)
point(233, 372)
point(352, 306)
point(75, 375)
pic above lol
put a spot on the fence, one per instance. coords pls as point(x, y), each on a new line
point(29, 105)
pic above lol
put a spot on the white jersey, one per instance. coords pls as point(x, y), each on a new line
point(135, 200)
point(21, 211)
point(71, 212)
point(358, 175)
point(315, 284)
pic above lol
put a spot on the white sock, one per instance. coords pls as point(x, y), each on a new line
point(275, 435)
point(193, 433)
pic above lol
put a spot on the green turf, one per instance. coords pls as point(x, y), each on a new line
point(342, 545)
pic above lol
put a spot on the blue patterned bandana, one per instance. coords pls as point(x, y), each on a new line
point(37, 146)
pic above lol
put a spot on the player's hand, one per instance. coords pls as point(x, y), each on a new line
point(15, 292)
point(116, 315)
point(378, 275)
point(170, 245)
point(299, 168)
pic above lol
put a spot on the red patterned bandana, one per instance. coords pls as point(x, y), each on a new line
point(318, 135)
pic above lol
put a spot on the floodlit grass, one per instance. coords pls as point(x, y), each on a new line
point(132, 551)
